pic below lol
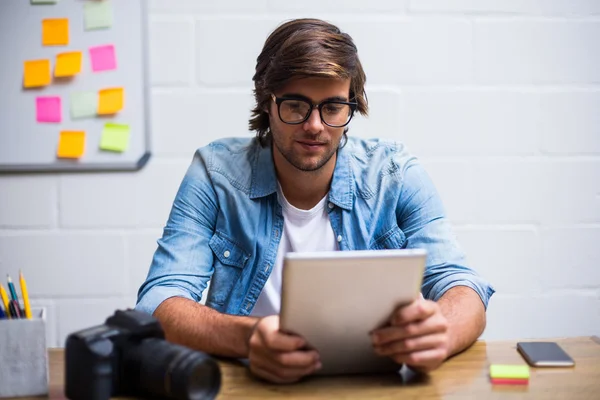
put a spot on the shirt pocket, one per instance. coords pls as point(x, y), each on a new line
point(393, 238)
point(228, 262)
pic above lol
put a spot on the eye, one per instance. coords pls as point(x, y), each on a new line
point(333, 108)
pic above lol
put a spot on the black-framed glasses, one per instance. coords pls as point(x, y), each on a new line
point(295, 110)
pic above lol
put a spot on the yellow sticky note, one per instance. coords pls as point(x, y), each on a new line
point(55, 32)
point(110, 101)
point(36, 73)
point(67, 64)
point(71, 144)
point(509, 371)
point(115, 137)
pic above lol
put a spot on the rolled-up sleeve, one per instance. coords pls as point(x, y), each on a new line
point(421, 217)
point(183, 262)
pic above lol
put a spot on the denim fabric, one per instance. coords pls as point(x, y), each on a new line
point(226, 223)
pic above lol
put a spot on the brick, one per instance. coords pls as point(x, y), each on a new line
point(140, 250)
point(548, 52)
point(28, 201)
point(414, 51)
point(508, 258)
point(570, 192)
point(339, 6)
point(470, 122)
point(383, 121)
point(226, 49)
point(527, 7)
point(452, 180)
point(67, 264)
point(171, 52)
point(137, 199)
point(542, 316)
point(575, 113)
point(201, 7)
point(570, 258)
point(183, 122)
point(507, 191)
point(77, 314)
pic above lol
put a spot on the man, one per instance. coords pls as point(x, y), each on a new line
point(303, 185)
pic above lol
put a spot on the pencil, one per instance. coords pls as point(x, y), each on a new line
point(11, 288)
point(25, 295)
point(5, 300)
point(14, 309)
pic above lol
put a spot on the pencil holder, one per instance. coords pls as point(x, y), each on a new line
point(23, 356)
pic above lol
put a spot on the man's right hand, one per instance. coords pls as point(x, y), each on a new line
point(276, 356)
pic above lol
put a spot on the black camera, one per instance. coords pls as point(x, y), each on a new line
point(129, 356)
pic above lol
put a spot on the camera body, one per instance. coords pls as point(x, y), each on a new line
point(129, 356)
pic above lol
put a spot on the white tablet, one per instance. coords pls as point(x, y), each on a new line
point(334, 299)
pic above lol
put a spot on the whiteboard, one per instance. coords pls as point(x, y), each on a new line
point(28, 145)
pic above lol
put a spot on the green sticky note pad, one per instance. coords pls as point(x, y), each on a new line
point(115, 137)
point(98, 14)
point(84, 104)
point(509, 371)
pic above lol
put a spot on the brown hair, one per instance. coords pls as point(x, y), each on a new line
point(304, 48)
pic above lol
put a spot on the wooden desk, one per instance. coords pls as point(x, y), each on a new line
point(464, 376)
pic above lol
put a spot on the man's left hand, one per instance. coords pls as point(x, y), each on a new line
point(416, 336)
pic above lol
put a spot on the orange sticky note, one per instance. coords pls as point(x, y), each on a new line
point(67, 64)
point(71, 144)
point(36, 73)
point(110, 101)
point(55, 32)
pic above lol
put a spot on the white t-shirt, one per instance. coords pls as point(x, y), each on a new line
point(303, 230)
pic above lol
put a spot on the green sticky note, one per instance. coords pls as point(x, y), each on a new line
point(509, 371)
point(98, 14)
point(115, 137)
point(43, 1)
point(84, 104)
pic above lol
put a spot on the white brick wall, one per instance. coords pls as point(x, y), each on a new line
point(500, 99)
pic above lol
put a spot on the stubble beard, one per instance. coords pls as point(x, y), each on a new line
point(298, 161)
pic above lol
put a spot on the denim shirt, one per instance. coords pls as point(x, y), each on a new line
point(226, 223)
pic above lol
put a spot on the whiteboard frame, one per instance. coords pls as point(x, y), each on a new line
point(112, 166)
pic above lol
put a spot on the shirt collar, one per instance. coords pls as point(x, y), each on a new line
point(264, 178)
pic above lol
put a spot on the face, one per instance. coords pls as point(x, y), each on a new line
point(310, 145)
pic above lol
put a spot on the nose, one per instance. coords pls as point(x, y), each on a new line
point(313, 124)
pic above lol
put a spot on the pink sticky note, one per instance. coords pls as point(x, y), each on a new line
point(103, 58)
point(48, 109)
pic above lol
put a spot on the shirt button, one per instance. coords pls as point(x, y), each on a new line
point(226, 254)
point(330, 205)
point(339, 238)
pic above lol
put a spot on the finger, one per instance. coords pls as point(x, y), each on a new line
point(411, 345)
point(283, 374)
point(279, 341)
point(418, 310)
point(425, 360)
point(433, 325)
point(296, 359)
point(269, 376)
point(271, 337)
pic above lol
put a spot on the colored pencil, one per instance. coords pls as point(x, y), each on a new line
point(11, 288)
point(25, 295)
point(4, 300)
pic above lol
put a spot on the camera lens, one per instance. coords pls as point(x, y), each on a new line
point(162, 369)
